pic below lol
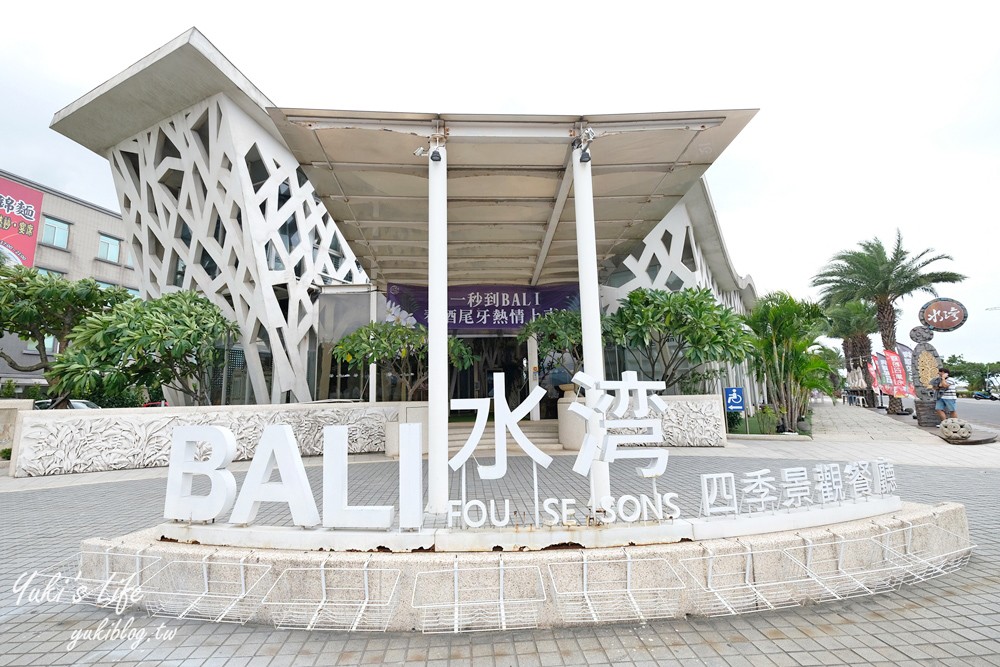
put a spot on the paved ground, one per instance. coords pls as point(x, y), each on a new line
point(953, 620)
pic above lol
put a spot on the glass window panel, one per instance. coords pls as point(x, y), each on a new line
point(109, 248)
point(55, 233)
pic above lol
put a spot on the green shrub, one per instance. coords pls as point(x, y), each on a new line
point(5, 454)
point(8, 390)
point(32, 392)
point(767, 419)
point(734, 420)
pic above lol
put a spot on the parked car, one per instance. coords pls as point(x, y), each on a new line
point(156, 404)
point(74, 404)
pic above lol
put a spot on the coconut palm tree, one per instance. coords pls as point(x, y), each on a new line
point(852, 322)
point(872, 274)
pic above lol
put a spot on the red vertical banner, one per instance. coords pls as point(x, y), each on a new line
point(20, 222)
point(897, 374)
point(873, 371)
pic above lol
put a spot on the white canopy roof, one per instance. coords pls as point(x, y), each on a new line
point(510, 190)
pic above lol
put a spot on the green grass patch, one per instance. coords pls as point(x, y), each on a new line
point(761, 424)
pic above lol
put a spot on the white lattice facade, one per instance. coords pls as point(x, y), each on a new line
point(218, 205)
point(670, 258)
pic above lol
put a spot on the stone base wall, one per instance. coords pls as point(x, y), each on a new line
point(926, 415)
point(417, 591)
point(57, 442)
point(690, 421)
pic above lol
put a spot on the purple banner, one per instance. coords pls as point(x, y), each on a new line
point(483, 306)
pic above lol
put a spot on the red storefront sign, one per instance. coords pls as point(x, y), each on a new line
point(20, 222)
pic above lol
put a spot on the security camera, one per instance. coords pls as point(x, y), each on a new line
point(420, 152)
point(589, 134)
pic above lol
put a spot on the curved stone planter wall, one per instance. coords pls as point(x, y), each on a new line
point(60, 442)
point(69, 441)
point(690, 421)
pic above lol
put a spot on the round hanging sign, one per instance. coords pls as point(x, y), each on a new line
point(943, 314)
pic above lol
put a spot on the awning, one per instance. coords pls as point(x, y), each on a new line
point(510, 190)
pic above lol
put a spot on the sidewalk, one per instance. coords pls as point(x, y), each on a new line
point(842, 432)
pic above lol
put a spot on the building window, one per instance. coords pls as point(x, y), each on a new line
point(109, 248)
point(51, 346)
point(49, 272)
point(55, 233)
point(104, 285)
point(134, 292)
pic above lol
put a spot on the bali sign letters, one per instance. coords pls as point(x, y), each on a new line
point(625, 414)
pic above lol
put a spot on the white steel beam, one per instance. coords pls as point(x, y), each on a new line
point(557, 210)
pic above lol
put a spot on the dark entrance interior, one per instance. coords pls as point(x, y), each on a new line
point(494, 354)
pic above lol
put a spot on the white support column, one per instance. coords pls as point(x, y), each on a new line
point(536, 413)
point(437, 332)
point(372, 368)
point(590, 310)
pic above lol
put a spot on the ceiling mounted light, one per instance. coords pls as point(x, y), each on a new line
point(435, 155)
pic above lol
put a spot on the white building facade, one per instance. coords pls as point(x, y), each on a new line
point(262, 208)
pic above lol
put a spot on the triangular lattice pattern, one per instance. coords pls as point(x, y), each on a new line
point(220, 206)
point(666, 259)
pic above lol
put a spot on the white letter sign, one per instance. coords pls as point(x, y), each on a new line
point(277, 449)
point(336, 512)
point(180, 504)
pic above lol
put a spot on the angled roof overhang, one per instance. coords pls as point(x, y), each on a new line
point(184, 71)
point(511, 216)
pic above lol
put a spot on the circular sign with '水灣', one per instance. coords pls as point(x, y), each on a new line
point(943, 314)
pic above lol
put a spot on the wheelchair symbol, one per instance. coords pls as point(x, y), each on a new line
point(734, 398)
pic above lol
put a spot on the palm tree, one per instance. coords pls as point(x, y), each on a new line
point(787, 356)
point(871, 274)
point(852, 322)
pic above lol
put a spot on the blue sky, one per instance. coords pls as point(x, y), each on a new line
point(873, 116)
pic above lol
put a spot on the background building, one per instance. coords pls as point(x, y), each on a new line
point(71, 238)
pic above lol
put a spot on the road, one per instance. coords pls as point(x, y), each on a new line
point(980, 413)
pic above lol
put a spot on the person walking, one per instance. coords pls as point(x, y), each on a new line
point(946, 396)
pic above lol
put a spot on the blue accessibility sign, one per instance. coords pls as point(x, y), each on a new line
point(734, 399)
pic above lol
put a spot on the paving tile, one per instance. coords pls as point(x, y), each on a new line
point(952, 620)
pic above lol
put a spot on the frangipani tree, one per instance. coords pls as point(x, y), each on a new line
point(402, 349)
point(560, 340)
point(35, 306)
point(673, 335)
point(174, 341)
